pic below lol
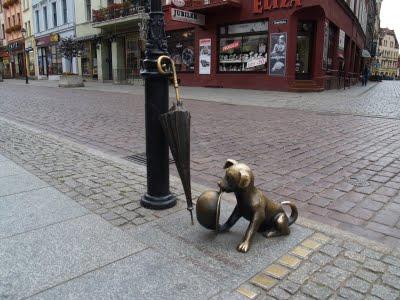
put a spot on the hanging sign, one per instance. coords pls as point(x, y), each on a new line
point(178, 3)
point(187, 16)
point(233, 45)
point(205, 56)
point(342, 39)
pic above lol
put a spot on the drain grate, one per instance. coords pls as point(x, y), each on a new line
point(358, 181)
point(141, 159)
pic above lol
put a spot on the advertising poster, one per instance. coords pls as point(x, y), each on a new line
point(342, 39)
point(277, 54)
point(326, 46)
point(204, 56)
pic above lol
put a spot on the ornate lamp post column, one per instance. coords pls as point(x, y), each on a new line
point(23, 32)
point(158, 195)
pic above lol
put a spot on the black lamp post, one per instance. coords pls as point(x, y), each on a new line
point(158, 195)
point(23, 32)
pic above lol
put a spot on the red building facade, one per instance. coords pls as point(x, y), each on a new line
point(295, 45)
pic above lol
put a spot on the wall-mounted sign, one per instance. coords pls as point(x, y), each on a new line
point(54, 37)
point(205, 56)
point(277, 63)
point(260, 5)
point(14, 46)
point(178, 3)
point(187, 16)
point(342, 39)
point(230, 46)
point(280, 22)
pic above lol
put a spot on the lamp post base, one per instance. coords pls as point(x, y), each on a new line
point(153, 202)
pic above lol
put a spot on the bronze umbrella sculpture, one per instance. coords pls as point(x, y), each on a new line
point(176, 126)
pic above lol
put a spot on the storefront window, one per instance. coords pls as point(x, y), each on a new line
point(56, 60)
point(85, 59)
point(133, 55)
point(243, 47)
point(181, 49)
point(31, 61)
point(42, 61)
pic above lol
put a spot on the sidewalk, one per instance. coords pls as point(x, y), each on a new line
point(78, 232)
point(225, 95)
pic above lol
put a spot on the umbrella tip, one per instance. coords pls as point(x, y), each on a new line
point(191, 216)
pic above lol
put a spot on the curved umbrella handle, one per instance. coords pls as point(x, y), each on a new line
point(162, 69)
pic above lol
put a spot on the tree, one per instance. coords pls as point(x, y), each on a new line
point(70, 48)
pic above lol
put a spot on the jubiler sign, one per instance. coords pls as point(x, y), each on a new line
point(260, 5)
point(187, 16)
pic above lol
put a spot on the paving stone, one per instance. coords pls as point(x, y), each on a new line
point(247, 292)
point(331, 250)
point(394, 270)
point(347, 293)
point(392, 280)
point(311, 244)
point(290, 261)
point(367, 275)
point(358, 257)
point(353, 246)
point(279, 293)
point(358, 285)
point(384, 292)
point(320, 259)
point(263, 281)
point(276, 271)
point(303, 272)
point(316, 291)
point(109, 216)
point(301, 252)
point(320, 237)
point(391, 260)
point(290, 286)
point(372, 254)
point(374, 265)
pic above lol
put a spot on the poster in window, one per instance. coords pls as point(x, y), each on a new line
point(326, 46)
point(342, 39)
point(277, 65)
point(205, 56)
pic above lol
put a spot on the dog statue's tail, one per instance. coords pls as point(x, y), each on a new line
point(294, 214)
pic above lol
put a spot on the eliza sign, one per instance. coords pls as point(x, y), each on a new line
point(260, 5)
point(231, 46)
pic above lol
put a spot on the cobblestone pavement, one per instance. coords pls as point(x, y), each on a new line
point(340, 169)
point(326, 267)
point(330, 264)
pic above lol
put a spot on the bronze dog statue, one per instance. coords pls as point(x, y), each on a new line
point(265, 215)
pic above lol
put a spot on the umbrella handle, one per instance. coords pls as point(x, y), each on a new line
point(162, 69)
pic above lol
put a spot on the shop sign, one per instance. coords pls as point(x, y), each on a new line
point(187, 17)
point(280, 22)
point(54, 38)
point(14, 46)
point(277, 54)
point(342, 39)
point(260, 5)
point(205, 56)
point(231, 46)
point(256, 62)
point(258, 26)
point(178, 3)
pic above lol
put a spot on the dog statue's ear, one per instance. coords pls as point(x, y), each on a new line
point(229, 163)
point(244, 179)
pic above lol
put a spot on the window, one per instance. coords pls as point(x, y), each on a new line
point(54, 10)
point(56, 61)
point(243, 47)
point(64, 11)
point(29, 29)
point(181, 49)
point(19, 18)
point(9, 22)
point(88, 10)
point(45, 21)
point(3, 31)
point(37, 21)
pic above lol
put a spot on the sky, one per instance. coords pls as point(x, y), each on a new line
point(390, 15)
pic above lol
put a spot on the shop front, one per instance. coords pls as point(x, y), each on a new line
point(17, 64)
point(49, 57)
point(5, 60)
point(266, 44)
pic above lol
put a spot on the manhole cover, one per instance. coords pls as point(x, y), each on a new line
point(141, 159)
point(358, 181)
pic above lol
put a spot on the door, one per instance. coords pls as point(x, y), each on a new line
point(109, 60)
point(305, 45)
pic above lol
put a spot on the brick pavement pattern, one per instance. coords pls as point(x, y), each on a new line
point(326, 267)
point(343, 170)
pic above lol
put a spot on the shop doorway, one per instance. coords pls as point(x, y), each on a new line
point(109, 61)
point(304, 53)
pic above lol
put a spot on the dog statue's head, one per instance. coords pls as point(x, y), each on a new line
point(237, 177)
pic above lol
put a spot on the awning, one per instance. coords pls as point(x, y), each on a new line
point(88, 37)
point(365, 54)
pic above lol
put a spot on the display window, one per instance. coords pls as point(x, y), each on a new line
point(181, 49)
point(243, 47)
point(56, 60)
point(31, 61)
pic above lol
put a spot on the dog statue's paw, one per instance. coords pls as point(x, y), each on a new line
point(243, 247)
point(223, 228)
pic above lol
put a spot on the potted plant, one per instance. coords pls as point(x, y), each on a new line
point(70, 48)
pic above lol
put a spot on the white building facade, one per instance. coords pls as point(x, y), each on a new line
point(53, 20)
